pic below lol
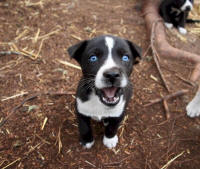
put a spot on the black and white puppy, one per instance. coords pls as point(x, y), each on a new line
point(175, 13)
point(104, 89)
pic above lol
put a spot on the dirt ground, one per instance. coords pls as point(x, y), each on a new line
point(43, 132)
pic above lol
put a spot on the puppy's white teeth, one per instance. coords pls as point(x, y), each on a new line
point(116, 99)
point(111, 100)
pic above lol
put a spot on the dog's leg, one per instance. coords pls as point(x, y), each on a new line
point(164, 13)
point(110, 138)
point(193, 108)
point(85, 131)
point(168, 25)
point(181, 25)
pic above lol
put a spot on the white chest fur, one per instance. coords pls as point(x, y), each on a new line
point(97, 110)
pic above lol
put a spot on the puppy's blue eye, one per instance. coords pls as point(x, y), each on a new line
point(125, 58)
point(93, 58)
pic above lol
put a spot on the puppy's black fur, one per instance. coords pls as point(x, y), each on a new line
point(175, 12)
point(113, 94)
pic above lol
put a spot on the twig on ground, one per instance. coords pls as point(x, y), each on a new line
point(36, 36)
point(90, 163)
point(9, 53)
point(41, 44)
point(175, 94)
point(44, 123)
point(166, 109)
point(155, 54)
point(43, 140)
point(21, 34)
point(33, 148)
point(14, 96)
point(11, 163)
point(59, 140)
point(173, 159)
point(164, 100)
point(69, 64)
point(48, 34)
point(186, 81)
point(147, 50)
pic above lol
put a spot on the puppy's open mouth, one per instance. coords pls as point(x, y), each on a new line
point(110, 95)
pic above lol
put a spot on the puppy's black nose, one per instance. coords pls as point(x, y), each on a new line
point(112, 74)
point(188, 8)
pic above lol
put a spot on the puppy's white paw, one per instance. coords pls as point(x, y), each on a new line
point(169, 25)
point(182, 30)
point(193, 108)
point(110, 142)
point(88, 145)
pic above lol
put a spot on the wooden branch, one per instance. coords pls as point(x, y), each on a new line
point(9, 53)
point(166, 109)
point(156, 56)
point(164, 100)
point(170, 96)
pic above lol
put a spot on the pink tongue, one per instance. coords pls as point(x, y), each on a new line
point(110, 92)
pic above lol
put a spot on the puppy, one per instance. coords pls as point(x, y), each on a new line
point(175, 13)
point(104, 89)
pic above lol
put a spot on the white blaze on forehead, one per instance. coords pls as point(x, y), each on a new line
point(110, 44)
point(186, 4)
point(108, 64)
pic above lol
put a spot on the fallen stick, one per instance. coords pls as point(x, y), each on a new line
point(186, 81)
point(9, 53)
point(12, 163)
point(156, 56)
point(170, 96)
point(166, 109)
point(173, 159)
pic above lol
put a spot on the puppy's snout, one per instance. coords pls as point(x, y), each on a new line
point(112, 74)
point(188, 8)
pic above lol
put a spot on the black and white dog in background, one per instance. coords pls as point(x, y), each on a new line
point(104, 89)
point(175, 13)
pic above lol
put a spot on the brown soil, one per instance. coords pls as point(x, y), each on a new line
point(147, 139)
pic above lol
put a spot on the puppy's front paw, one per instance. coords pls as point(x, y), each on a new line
point(193, 109)
point(169, 25)
point(110, 142)
point(182, 30)
point(88, 145)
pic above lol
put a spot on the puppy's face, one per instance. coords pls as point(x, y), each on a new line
point(184, 5)
point(108, 61)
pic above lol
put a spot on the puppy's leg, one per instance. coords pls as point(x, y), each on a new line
point(193, 108)
point(110, 138)
point(168, 25)
point(165, 14)
point(85, 131)
point(181, 25)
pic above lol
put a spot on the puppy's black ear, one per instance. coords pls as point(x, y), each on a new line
point(136, 51)
point(77, 50)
